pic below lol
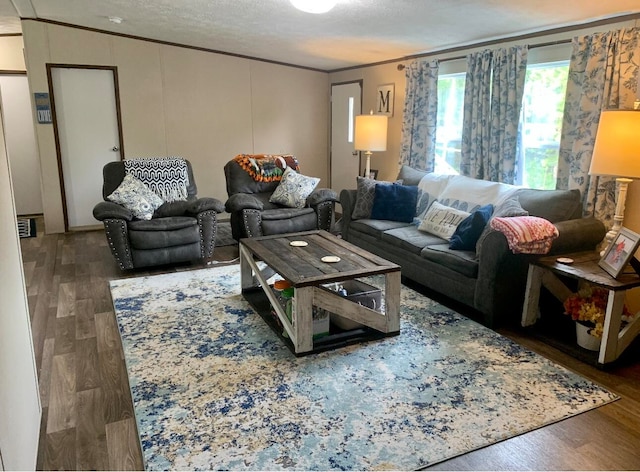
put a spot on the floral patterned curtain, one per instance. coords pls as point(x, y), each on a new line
point(493, 99)
point(418, 145)
point(603, 73)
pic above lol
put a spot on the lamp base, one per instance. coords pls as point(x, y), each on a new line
point(367, 168)
point(618, 218)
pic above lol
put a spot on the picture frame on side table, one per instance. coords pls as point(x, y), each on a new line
point(620, 252)
point(373, 174)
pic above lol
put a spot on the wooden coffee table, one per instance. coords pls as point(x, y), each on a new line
point(303, 267)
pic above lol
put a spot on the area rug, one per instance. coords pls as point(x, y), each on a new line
point(214, 388)
point(27, 227)
point(223, 234)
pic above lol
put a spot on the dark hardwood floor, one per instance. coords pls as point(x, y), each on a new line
point(88, 421)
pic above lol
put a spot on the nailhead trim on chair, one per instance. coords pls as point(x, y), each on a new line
point(204, 253)
point(109, 224)
point(329, 211)
point(246, 221)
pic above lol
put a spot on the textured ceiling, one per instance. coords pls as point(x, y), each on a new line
point(355, 32)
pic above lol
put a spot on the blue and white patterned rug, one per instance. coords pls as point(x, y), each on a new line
point(214, 388)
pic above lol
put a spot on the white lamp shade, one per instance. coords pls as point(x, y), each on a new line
point(314, 6)
point(617, 148)
point(370, 133)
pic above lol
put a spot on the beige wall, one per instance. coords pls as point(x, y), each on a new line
point(177, 101)
point(11, 55)
point(20, 408)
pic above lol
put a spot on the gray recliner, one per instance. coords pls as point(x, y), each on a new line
point(252, 214)
point(179, 231)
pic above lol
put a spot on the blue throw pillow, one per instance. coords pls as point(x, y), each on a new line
point(394, 202)
point(469, 230)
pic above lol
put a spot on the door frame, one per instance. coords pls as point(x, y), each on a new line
point(54, 119)
point(361, 83)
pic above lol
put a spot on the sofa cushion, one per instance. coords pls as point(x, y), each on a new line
point(468, 232)
point(410, 176)
point(463, 262)
point(137, 197)
point(365, 195)
point(442, 220)
point(285, 213)
point(552, 205)
point(410, 238)
point(394, 202)
point(375, 227)
point(294, 189)
point(164, 224)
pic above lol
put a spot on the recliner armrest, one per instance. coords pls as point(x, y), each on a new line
point(243, 201)
point(321, 195)
point(205, 204)
point(104, 210)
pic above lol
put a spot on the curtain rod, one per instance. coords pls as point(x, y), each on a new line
point(523, 37)
point(457, 58)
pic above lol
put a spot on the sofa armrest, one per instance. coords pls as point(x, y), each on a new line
point(347, 202)
point(501, 279)
point(582, 234)
point(321, 195)
point(243, 201)
point(205, 204)
point(110, 210)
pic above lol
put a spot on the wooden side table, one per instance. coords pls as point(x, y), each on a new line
point(544, 271)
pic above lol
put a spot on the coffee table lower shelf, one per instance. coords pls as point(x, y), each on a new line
point(337, 337)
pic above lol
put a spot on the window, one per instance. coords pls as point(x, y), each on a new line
point(449, 129)
point(541, 123)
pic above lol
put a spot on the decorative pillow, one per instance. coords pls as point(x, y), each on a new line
point(526, 234)
point(468, 232)
point(507, 208)
point(394, 202)
point(441, 220)
point(137, 197)
point(293, 189)
point(365, 194)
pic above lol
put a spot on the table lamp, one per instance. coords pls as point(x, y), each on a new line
point(617, 153)
point(370, 135)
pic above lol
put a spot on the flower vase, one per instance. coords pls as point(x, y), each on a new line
point(586, 340)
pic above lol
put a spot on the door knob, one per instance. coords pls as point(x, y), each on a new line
point(115, 148)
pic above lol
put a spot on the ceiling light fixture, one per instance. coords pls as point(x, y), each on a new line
point(115, 19)
point(314, 6)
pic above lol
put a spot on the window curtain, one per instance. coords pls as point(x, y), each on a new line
point(492, 104)
point(418, 146)
point(603, 73)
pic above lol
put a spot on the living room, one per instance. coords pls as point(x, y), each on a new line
point(209, 107)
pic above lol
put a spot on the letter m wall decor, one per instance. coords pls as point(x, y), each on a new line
point(384, 100)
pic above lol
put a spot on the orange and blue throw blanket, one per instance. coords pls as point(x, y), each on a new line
point(266, 167)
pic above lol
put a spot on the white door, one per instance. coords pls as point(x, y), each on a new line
point(346, 103)
point(21, 144)
point(87, 124)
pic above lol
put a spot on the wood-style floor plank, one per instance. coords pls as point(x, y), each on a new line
point(122, 443)
point(62, 396)
point(91, 436)
point(60, 450)
point(88, 420)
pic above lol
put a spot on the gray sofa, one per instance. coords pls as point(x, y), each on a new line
point(491, 281)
